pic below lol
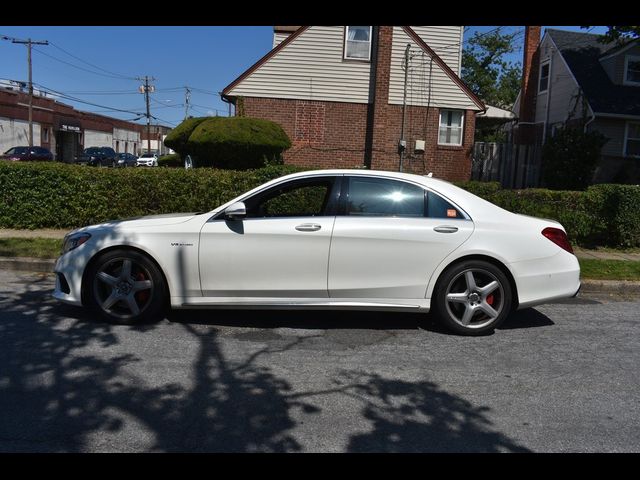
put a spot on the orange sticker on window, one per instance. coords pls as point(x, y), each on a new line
point(451, 212)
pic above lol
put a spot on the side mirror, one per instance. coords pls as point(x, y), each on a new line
point(235, 211)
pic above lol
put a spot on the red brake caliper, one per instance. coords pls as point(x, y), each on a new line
point(143, 295)
point(490, 299)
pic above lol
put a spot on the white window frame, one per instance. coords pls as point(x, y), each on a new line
point(346, 44)
point(461, 126)
point(628, 58)
point(626, 139)
point(542, 65)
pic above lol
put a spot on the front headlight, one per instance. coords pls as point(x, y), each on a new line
point(74, 241)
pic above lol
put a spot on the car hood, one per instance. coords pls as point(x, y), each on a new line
point(138, 222)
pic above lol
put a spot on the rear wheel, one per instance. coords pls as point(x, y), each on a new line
point(125, 287)
point(472, 298)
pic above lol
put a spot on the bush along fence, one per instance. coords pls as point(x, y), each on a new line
point(68, 196)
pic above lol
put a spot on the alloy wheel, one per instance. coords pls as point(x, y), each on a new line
point(123, 288)
point(474, 298)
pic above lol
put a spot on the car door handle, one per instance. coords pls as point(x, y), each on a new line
point(445, 229)
point(308, 227)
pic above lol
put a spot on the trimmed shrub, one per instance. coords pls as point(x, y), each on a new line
point(237, 143)
point(173, 161)
point(178, 138)
point(229, 142)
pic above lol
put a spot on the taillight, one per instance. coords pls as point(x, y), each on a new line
point(559, 237)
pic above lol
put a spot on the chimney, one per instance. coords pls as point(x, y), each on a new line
point(378, 115)
point(529, 89)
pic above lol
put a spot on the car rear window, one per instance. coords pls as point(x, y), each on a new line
point(438, 207)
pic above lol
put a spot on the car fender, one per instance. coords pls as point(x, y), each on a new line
point(459, 254)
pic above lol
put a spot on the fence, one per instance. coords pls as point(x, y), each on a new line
point(513, 165)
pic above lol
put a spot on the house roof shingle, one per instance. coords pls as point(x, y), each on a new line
point(582, 52)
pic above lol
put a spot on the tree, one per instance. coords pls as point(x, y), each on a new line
point(486, 70)
point(619, 34)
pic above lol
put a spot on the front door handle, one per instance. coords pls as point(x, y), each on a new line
point(308, 227)
point(445, 229)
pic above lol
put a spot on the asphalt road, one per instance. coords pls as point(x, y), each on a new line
point(558, 378)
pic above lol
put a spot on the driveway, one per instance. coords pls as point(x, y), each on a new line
point(558, 378)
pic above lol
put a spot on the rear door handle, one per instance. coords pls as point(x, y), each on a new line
point(308, 227)
point(445, 229)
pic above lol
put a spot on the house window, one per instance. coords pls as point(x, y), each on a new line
point(543, 84)
point(632, 70)
point(451, 123)
point(358, 43)
point(45, 135)
point(632, 140)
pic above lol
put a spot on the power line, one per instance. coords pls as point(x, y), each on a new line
point(117, 77)
point(91, 64)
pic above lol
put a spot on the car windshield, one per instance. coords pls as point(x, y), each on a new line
point(147, 155)
point(91, 150)
point(17, 151)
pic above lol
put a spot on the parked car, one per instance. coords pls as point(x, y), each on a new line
point(148, 160)
point(127, 160)
point(98, 157)
point(330, 239)
point(27, 154)
point(326, 239)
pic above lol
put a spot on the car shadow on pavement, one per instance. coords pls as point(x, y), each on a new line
point(526, 318)
point(69, 383)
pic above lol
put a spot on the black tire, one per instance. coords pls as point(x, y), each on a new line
point(121, 296)
point(473, 305)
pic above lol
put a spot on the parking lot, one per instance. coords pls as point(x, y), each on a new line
point(558, 378)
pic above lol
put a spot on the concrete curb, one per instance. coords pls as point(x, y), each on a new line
point(588, 286)
point(27, 264)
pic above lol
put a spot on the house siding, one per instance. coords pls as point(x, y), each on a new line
point(310, 68)
point(427, 83)
point(565, 101)
point(614, 130)
point(446, 41)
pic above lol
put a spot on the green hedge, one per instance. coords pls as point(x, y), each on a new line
point(55, 195)
point(58, 195)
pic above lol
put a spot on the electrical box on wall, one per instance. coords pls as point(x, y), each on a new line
point(419, 146)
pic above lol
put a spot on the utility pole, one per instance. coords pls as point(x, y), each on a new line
point(187, 99)
point(29, 44)
point(402, 145)
point(146, 89)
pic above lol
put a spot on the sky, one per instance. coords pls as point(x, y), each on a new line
point(100, 65)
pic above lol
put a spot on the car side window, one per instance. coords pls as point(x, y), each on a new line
point(384, 197)
point(438, 207)
point(306, 198)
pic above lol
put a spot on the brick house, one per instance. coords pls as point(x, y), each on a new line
point(346, 100)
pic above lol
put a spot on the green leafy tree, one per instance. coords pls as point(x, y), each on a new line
point(488, 72)
point(619, 34)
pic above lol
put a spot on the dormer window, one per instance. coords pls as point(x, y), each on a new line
point(632, 70)
point(357, 45)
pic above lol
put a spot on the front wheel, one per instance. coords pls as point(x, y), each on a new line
point(125, 287)
point(472, 298)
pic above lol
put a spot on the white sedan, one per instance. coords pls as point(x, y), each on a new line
point(147, 160)
point(328, 239)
